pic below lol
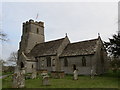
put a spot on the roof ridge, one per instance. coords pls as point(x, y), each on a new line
point(84, 41)
point(50, 41)
point(54, 40)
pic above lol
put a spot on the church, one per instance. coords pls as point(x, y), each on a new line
point(59, 55)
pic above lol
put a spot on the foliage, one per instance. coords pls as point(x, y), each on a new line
point(6, 69)
point(6, 73)
point(113, 46)
point(115, 64)
point(2, 62)
point(3, 36)
point(12, 60)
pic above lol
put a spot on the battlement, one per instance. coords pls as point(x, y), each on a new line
point(34, 22)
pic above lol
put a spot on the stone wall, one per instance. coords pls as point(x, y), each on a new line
point(77, 60)
point(101, 58)
point(96, 62)
point(30, 66)
point(42, 63)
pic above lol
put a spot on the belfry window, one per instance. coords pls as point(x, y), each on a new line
point(83, 61)
point(37, 31)
point(48, 61)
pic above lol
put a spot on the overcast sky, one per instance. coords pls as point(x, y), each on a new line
point(80, 20)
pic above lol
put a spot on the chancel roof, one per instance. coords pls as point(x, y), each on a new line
point(46, 48)
point(80, 48)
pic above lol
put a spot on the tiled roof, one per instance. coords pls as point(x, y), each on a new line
point(80, 48)
point(46, 48)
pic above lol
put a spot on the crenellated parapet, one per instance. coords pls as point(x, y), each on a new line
point(40, 23)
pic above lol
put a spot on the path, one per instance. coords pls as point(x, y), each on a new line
point(4, 76)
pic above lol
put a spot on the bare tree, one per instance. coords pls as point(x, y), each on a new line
point(2, 62)
point(12, 60)
point(3, 36)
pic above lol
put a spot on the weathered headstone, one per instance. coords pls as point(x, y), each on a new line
point(34, 75)
point(15, 80)
point(45, 79)
point(75, 77)
point(15, 77)
point(22, 79)
point(19, 79)
point(92, 74)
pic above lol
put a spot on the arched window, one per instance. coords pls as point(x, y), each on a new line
point(48, 61)
point(65, 62)
point(22, 65)
point(83, 61)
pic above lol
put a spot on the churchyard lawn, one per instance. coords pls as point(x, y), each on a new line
point(109, 80)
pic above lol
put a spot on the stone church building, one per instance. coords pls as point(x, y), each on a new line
point(59, 55)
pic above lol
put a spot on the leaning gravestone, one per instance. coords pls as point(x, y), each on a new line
point(22, 79)
point(19, 79)
point(15, 80)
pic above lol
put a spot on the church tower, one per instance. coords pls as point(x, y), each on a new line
point(32, 34)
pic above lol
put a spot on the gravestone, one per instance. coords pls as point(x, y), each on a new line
point(75, 76)
point(15, 80)
point(22, 79)
point(45, 79)
point(34, 74)
point(92, 74)
point(19, 79)
point(15, 77)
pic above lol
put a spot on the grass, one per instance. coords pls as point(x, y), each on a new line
point(109, 80)
point(6, 73)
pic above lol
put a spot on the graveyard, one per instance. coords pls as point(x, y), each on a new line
point(66, 46)
point(108, 80)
